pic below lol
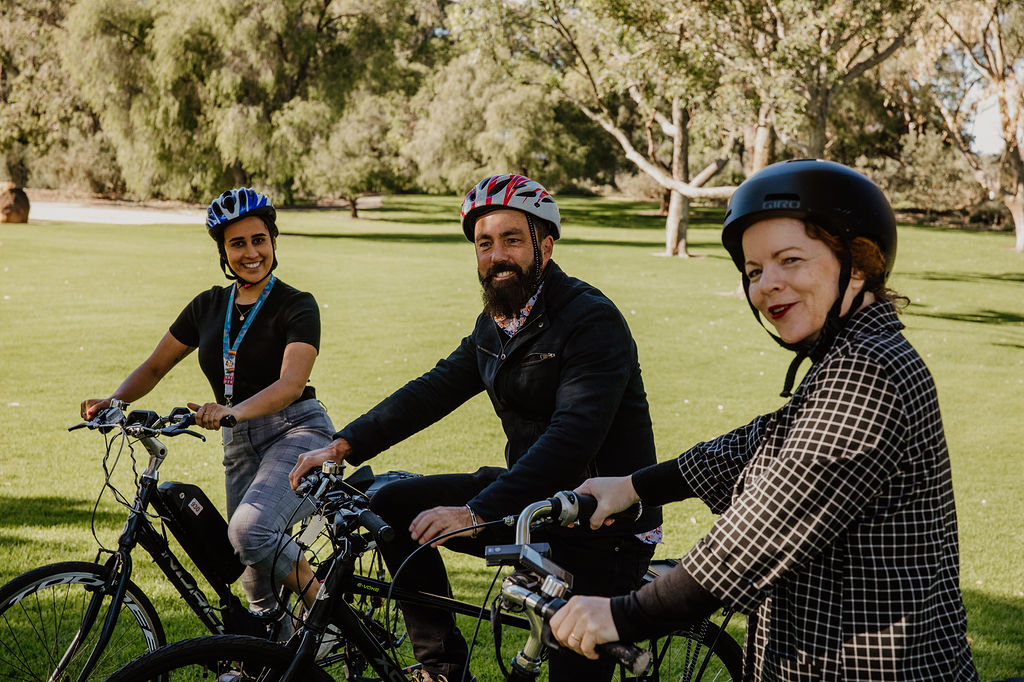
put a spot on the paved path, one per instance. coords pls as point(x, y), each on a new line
point(47, 211)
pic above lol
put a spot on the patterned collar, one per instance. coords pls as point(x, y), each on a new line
point(510, 325)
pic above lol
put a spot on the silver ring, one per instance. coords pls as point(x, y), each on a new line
point(573, 636)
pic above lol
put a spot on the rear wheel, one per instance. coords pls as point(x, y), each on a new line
point(41, 624)
point(237, 658)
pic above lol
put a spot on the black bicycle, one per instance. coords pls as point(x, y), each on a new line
point(354, 617)
point(78, 620)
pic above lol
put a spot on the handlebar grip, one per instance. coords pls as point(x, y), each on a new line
point(228, 421)
point(636, 660)
point(586, 505)
point(309, 483)
point(380, 529)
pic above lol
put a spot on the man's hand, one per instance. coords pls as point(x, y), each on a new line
point(583, 623)
point(440, 520)
point(614, 494)
point(337, 451)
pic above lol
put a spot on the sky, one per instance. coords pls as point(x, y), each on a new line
point(987, 134)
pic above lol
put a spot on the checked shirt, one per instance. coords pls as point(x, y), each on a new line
point(838, 530)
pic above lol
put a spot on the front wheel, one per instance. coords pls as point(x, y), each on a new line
point(238, 658)
point(703, 652)
point(41, 624)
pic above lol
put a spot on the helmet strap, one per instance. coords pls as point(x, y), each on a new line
point(834, 322)
point(536, 249)
point(232, 275)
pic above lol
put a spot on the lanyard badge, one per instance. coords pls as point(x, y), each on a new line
point(231, 350)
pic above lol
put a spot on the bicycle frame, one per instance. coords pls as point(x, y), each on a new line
point(332, 608)
point(139, 531)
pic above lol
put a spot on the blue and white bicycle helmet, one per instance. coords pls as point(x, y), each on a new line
point(236, 204)
point(231, 206)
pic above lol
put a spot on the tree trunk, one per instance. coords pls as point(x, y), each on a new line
point(678, 219)
point(1016, 206)
point(762, 139)
point(817, 133)
point(676, 224)
point(17, 169)
point(352, 210)
point(238, 174)
point(666, 198)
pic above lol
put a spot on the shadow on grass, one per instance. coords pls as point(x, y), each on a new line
point(52, 511)
point(980, 316)
point(456, 238)
point(9, 542)
point(995, 626)
point(971, 277)
point(575, 210)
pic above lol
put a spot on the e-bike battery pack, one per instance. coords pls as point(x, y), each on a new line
point(200, 529)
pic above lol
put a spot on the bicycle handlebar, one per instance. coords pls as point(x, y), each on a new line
point(142, 423)
point(319, 484)
point(564, 508)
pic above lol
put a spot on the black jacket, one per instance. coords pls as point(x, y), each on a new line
point(566, 387)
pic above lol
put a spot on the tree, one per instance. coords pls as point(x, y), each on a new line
point(361, 152)
point(632, 67)
point(793, 57)
point(470, 120)
point(46, 130)
point(208, 92)
point(973, 52)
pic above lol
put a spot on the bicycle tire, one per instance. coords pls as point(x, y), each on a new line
point(702, 652)
point(41, 614)
point(209, 657)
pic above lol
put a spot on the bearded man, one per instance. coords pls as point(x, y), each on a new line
point(560, 367)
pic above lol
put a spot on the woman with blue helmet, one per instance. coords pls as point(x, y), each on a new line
point(257, 339)
point(837, 532)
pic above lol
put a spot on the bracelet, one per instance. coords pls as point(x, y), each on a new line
point(475, 520)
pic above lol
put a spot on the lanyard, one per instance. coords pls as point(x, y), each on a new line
point(231, 351)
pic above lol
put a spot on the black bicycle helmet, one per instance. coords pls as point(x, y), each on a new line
point(834, 197)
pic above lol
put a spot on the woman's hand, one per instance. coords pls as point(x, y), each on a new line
point(93, 406)
point(583, 623)
point(208, 415)
point(337, 451)
point(614, 494)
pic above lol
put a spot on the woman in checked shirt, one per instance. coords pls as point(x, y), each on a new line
point(838, 532)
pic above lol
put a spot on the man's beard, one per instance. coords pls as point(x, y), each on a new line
point(507, 298)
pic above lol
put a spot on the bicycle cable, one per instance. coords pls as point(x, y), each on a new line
point(504, 521)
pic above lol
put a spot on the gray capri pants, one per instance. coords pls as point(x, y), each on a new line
point(261, 504)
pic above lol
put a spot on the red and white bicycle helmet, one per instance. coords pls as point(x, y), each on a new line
point(509, 191)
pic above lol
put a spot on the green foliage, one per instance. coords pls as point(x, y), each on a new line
point(472, 119)
point(47, 132)
point(218, 93)
point(361, 152)
point(930, 174)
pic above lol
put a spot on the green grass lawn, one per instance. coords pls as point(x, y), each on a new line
point(81, 305)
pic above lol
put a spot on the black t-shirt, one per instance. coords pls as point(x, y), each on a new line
point(288, 315)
